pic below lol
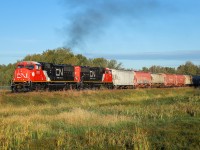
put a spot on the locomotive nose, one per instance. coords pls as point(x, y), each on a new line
point(22, 74)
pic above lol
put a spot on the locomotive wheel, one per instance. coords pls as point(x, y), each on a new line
point(14, 90)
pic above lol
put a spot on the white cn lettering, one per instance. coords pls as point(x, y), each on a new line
point(22, 75)
point(92, 74)
point(59, 72)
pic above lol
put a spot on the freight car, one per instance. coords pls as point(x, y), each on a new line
point(169, 80)
point(122, 79)
point(196, 81)
point(142, 79)
point(180, 80)
point(157, 80)
point(188, 80)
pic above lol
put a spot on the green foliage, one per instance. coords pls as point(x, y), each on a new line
point(57, 56)
point(145, 69)
point(114, 64)
point(66, 56)
point(188, 69)
point(102, 62)
point(82, 60)
point(99, 62)
point(159, 69)
point(6, 73)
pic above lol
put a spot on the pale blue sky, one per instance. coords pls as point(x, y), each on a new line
point(135, 32)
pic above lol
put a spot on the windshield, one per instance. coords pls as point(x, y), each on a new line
point(20, 66)
point(30, 67)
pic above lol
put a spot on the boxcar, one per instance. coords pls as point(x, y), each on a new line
point(122, 78)
point(142, 79)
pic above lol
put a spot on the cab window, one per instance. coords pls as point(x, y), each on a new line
point(20, 66)
point(108, 71)
point(30, 67)
point(38, 67)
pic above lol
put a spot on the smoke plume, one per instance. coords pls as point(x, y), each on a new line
point(89, 18)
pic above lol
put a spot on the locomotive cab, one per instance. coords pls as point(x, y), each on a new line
point(28, 71)
point(107, 76)
point(25, 74)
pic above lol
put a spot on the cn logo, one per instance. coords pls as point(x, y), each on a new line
point(22, 75)
point(59, 72)
point(92, 74)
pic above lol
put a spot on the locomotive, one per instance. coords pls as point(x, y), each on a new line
point(32, 75)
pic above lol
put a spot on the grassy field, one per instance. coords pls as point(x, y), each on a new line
point(104, 119)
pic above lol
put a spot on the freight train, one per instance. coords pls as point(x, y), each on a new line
point(33, 76)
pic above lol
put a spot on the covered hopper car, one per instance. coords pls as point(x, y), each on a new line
point(180, 80)
point(157, 80)
point(169, 80)
point(142, 79)
point(122, 78)
point(196, 81)
point(188, 80)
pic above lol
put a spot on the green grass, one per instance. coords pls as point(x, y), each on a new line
point(105, 119)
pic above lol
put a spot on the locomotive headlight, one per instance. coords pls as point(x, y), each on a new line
point(33, 74)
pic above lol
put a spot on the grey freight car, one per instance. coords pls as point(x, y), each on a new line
point(122, 78)
point(157, 80)
point(188, 80)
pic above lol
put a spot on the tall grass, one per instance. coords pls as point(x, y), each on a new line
point(105, 119)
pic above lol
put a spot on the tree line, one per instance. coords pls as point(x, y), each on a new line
point(66, 56)
point(188, 68)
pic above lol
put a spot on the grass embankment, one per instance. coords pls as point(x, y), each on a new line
point(116, 119)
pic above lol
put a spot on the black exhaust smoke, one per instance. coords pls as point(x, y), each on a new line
point(90, 17)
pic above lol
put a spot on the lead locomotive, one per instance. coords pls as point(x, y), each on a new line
point(31, 75)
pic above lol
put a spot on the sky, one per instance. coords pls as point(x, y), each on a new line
point(136, 33)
